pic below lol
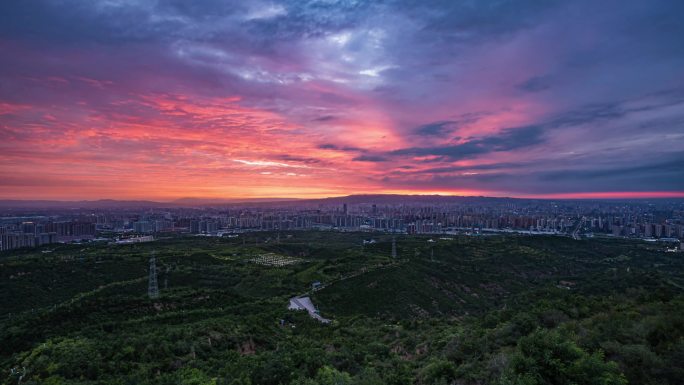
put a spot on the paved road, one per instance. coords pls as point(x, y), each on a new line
point(575, 233)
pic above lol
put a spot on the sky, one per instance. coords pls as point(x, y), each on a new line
point(132, 99)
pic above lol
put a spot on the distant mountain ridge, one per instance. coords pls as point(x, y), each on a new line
point(393, 199)
point(219, 201)
point(113, 203)
point(101, 203)
point(197, 202)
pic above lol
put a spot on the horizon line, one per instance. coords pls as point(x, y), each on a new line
point(619, 195)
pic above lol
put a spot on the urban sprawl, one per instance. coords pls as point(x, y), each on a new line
point(657, 220)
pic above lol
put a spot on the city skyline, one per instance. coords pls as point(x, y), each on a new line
point(167, 100)
point(36, 224)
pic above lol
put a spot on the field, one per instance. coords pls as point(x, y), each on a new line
point(467, 310)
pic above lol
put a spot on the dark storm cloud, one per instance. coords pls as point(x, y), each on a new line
point(324, 118)
point(369, 158)
point(657, 176)
point(665, 175)
point(612, 110)
point(673, 169)
point(477, 167)
point(444, 127)
point(535, 84)
point(508, 139)
point(436, 128)
point(330, 146)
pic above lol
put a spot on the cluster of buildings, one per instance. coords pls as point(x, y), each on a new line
point(645, 229)
point(663, 219)
point(30, 233)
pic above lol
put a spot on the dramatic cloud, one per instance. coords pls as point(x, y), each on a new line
point(165, 99)
point(509, 139)
point(436, 128)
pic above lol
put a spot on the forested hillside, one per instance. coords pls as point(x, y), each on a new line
point(461, 310)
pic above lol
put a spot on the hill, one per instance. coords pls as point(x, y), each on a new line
point(481, 310)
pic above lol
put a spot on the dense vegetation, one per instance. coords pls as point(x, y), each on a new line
point(467, 310)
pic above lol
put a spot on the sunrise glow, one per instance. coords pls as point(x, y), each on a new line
point(162, 102)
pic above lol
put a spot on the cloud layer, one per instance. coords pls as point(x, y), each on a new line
point(165, 99)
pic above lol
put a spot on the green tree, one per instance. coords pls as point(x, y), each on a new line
point(330, 376)
point(545, 357)
point(438, 372)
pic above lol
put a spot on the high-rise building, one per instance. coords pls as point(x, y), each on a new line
point(195, 227)
point(46, 238)
point(28, 228)
point(68, 230)
point(143, 227)
point(658, 230)
point(17, 241)
point(648, 230)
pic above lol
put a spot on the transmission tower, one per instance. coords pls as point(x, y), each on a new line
point(166, 277)
point(394, 247)
point(153, 288)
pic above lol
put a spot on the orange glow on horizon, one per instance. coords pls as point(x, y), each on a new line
point(319, 193)
point(613, 195)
